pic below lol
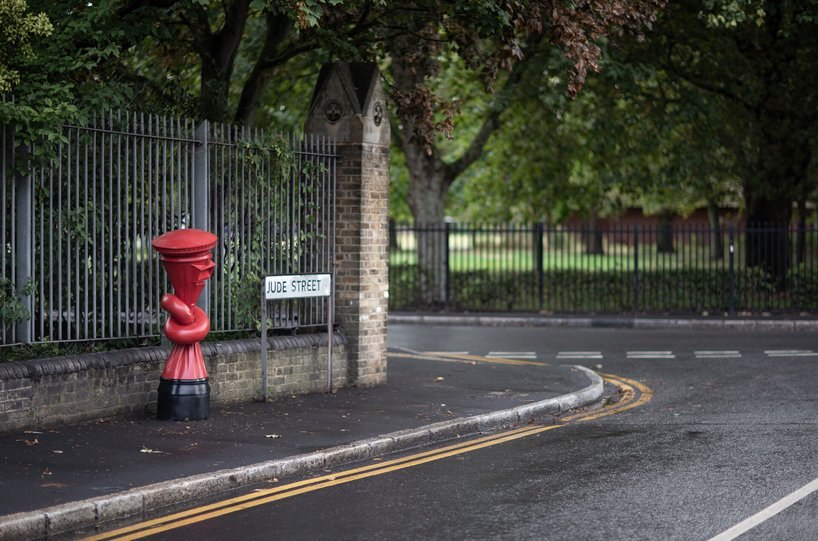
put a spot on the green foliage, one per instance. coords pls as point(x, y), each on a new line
point(268, 162)
point(699, 291)
point(731, 13)
point(12, 309)
point(73, 72)
point(280, 183)
point(44, 350)
point(803, 283)
point(17, 28)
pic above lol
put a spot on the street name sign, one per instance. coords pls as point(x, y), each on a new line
point(297, 286)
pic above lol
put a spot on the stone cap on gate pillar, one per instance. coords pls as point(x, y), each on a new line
point(349, 104)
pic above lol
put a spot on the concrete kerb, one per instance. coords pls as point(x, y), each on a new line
point(143, 501)
point(605, 322)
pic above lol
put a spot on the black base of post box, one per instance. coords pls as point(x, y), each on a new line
point(183, 400)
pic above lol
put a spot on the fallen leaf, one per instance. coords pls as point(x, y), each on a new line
point(439, 378)
point(30, 443)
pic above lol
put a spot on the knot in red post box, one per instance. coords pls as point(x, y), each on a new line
point(184, 391)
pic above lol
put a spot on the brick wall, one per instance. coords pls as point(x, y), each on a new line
point(62, 390)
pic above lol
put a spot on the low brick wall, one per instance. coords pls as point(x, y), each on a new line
point(60, 390)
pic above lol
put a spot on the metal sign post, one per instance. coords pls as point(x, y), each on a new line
point(295, 286)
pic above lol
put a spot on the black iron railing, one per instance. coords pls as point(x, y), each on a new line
point(730, 270)
point(76, 263)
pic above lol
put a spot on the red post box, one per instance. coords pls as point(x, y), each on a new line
point(184, 391)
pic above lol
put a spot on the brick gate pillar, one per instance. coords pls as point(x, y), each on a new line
point(349, 105)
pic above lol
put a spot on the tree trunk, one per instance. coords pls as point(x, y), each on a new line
point(801, 242)
point(427, 195)
point(716, 242)
point(218, 54)
point(768, 241)
point(279, 27)
point(768, 195)
point(593, 237)
point(213, 104)
point(664, 233)
point(393, 236)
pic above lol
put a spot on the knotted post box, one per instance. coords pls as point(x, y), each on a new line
point(184, 391)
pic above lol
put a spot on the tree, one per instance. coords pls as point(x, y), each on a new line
point(487, 37)
point(758, 62)
point(527, 39)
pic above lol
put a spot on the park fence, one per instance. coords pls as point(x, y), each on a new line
point(684, 269)
point(80, 213)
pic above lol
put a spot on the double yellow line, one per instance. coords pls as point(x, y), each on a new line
point(633, 394)
point(463, 358)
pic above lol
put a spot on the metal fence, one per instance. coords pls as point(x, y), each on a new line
point(80, 214)
point(621, 268)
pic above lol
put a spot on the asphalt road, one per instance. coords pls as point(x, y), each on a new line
point(730, 430)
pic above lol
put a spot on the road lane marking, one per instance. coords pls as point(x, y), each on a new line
point(467, 359)
point(512, 355)
point(630, 399)
point(650, 355)
point(791, 353)
point(247, 501)
point(767, 513)
point(726, 354)
point(579, 355)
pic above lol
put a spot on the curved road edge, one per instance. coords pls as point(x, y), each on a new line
point(62, 519)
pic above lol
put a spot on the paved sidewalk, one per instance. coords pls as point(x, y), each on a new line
point(77, 476)
point(488, 319)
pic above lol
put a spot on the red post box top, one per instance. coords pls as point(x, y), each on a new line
point(184, 241)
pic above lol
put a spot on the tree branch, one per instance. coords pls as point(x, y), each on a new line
point(226, 41)
point(136, 5)
point(278, 28)
point(489, 126)
point(707, 86)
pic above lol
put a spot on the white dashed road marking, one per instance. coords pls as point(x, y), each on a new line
point(597, 355)
point(651, 355)
point(729, 354)
point(579, 355)
point(791, 353)
point(513, 354)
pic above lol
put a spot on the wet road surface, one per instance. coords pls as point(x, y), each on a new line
point(730, 430)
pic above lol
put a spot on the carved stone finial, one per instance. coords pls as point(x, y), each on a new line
point(348, 104)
